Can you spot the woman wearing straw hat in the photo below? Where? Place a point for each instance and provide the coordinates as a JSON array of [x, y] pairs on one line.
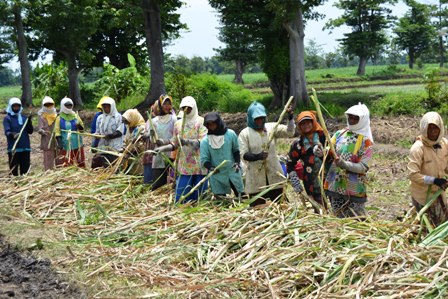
[[345, 182], [70, 146], [47, 117], [428, 167], [263, 167], [307, 151], [17, 130]]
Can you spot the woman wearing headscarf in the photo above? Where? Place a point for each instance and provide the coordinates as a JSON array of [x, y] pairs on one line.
[[71, 149], [221, 143], [345, 183], [99, 107], [111, 127], [187, 138], [19, 148], [262, 164], [156, 168], [307, 151], [136, 123], [428, 167], [47, 117]]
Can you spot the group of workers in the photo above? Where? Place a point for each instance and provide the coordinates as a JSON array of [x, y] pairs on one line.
[[190, 150]]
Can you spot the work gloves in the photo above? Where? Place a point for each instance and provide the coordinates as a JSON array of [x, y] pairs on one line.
[[295, 182], [13, 135], [190, 142], [440, 182], [165, 148], [251, 157], [318, 151], [114, 135]]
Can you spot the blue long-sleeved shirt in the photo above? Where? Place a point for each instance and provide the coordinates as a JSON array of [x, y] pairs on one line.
[[11, 125]]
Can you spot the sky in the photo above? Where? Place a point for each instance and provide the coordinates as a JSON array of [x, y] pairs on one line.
[[203, 23]]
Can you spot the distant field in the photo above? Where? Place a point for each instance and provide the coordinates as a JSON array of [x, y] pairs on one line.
[[7, 92]]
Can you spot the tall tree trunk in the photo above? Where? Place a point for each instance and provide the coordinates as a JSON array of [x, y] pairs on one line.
[[27, 97], [153, 30], [74, 92], [239, 71], [296, 32], [411, 59], [361, 66], [441, 51], [278, 88]]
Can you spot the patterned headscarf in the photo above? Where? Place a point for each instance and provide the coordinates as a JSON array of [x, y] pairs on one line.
[[134, 118]]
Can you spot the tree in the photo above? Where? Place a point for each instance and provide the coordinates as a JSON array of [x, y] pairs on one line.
[[314, 55], [65, 27], [153, 10], [12, 17], [441, 24], [121, 31], [414, 31], [368, 19], [236, 34]]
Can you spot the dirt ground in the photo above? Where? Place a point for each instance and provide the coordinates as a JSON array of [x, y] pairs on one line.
[[23, 276]]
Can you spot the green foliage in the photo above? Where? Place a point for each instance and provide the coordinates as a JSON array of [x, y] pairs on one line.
[[399, 104], [120, 84], [432, 83], [50, 80], [210, 92]]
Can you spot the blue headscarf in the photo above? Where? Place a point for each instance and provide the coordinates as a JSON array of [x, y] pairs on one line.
[[13, 101], [255, 110]]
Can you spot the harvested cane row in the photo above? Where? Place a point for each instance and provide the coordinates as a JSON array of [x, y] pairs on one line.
[[123, 240]]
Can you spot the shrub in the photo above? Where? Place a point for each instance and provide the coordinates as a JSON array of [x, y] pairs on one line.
[[120, 84], [210, 92], [398, 104], [50, 80]]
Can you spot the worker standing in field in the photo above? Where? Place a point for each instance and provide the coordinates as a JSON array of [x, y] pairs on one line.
[[187, 135], [221, 143], [345, 183], [93, 129], [262, 164], [305, 157], [428, 168], [110, 126], [19, 147], [161, 132], [70, 146], [47, 117]]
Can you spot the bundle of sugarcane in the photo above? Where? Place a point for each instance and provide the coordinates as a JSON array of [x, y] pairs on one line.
[[125, 241]]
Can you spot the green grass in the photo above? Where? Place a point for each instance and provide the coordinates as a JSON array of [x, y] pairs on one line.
[[7, 92]]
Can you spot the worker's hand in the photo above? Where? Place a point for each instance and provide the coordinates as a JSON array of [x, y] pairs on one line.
[[318, 151], [290, 112], [161, 142], [213, 169], [236, 167], [442, 183], [262, 156]]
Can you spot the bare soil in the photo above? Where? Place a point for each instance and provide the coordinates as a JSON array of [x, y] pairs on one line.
[[24, 276]]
